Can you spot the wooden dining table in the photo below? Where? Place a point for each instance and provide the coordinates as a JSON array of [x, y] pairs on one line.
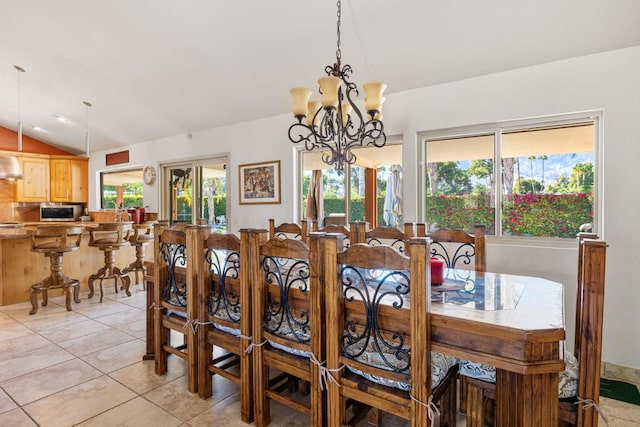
[[515, 323]]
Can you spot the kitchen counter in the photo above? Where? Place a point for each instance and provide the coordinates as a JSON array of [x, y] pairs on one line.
[[23, 230], [20, 268]]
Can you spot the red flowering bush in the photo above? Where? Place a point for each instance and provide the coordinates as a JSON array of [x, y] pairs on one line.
[[539, 215]]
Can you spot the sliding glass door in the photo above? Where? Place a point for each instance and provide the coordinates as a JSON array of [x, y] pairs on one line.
[[196, 192]]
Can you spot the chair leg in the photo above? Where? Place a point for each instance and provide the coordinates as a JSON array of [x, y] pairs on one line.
[[34, 299], [373, 417], [448, 405], [262, 413], [474, 405], [246, 387], [67, 297], [205, 358], [462, 407]]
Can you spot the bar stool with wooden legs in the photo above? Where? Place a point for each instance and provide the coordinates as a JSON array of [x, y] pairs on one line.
[[109, 237], [142, 235], [53, 241]]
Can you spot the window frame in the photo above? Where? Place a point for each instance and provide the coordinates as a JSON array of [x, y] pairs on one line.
[[298, 152], [195, 163], [497, 129], [128, 168]]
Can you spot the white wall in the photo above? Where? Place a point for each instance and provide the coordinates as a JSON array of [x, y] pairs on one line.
[[606, 81]]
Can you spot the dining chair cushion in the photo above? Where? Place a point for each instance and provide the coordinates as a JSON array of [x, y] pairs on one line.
[[232, 331], [440, 365], [567, 386], [297, 333], [177, 313]]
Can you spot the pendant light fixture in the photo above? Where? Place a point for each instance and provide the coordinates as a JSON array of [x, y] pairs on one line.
[[336, 124], [86, 134], [20, 71]]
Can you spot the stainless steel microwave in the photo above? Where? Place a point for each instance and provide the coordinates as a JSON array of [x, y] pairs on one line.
[[55, 212]]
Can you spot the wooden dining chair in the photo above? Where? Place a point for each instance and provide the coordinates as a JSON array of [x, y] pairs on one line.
[[350, 232], [224, 310], [384, 235], [174, 300], [457, 248], [379, 334], [579, 383], [290, 230], [288, 327]]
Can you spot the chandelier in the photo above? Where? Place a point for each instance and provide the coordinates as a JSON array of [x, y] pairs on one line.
[[335, 124]]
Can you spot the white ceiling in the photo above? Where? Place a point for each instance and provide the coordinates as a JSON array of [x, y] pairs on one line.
[[154, 69]]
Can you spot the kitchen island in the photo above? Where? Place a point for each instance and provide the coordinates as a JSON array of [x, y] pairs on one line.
[[20, 268]]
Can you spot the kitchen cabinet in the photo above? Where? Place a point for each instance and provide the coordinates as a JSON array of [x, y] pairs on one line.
[[34, 186], [69, 180]]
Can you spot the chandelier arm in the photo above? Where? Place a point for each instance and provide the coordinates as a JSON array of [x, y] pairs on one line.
[[300, 132], [373, 134]]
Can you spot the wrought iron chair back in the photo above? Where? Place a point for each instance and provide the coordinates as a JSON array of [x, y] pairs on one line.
[[288, 324], [348, 232], [384, 235], [174, 299], [378, 336], [289, 230], [225, 320], [458, 249]]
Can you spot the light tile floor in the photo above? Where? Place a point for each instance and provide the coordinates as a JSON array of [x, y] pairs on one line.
[[85, 367]]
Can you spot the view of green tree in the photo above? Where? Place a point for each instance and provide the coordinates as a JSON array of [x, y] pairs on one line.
[[527, 186], [452, 179], [482, 169], [581, 179]]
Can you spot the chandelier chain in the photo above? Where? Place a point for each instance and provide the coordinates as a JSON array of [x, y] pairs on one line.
[[339, 15]]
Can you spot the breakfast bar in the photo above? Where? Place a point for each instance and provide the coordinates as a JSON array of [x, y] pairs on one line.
[[21, 268]]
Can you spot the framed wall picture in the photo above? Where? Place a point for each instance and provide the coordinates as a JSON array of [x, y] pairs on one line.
[[259, 183]]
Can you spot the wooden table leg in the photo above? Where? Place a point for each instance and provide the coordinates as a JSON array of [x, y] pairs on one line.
[[526, 400]]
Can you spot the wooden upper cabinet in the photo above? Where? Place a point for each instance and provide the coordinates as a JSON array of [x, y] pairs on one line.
[[80, 180], [60, 180], [34, 187], [69, 180]]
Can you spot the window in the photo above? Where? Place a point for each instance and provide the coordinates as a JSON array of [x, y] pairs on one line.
[[196, 192], [544, 185], [373, 186], [121, 189]]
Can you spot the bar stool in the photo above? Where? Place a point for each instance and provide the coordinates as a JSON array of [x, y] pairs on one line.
[[53, 241], [141, 236], [109, 237]]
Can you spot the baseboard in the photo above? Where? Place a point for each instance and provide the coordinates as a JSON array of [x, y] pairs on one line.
[[620, 372]]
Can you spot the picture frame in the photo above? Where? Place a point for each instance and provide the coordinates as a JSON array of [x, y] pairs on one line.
[[259, 183]]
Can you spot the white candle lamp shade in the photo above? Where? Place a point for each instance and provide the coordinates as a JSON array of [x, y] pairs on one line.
[[373, 95], [329, 88], [313, 107], [346, 110], [300, 96]]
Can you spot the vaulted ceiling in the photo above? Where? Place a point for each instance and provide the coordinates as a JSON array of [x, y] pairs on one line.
[[154, 69]]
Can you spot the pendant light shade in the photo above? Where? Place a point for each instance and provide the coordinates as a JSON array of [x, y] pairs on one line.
[[20, 71], [86, 134]]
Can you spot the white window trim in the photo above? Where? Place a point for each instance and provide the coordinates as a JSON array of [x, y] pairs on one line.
[[594, 116]]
